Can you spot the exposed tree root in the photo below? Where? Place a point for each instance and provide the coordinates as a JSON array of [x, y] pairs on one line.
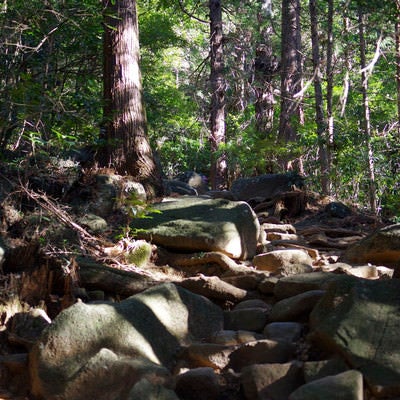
[[203, 258]]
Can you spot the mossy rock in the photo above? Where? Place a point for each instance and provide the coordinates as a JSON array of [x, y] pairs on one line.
[[193, 224], [140, 254]]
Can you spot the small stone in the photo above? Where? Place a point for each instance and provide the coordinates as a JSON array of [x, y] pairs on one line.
[[232, 338], [314, 370], [25, 328], [293, 285], [261, 352], [296, 307], [211, 355], [249, 319], [246, 281], [267, 285], [279, 259], [199, 384], [337, 210], [145, 390], [271, 381], [213, 287], [252, 303], [282, 228], [346, 386], [283, 236], [283, 331], [96, 295]]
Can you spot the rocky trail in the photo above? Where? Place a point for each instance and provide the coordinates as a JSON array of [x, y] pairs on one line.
[[265, 292]]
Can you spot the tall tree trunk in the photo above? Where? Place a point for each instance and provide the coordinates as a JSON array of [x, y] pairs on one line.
[[397, 34], [291, 73], [319, 103], [366, 110], [125, 130], [218, 172], [239, 71], [348, 67], [239, 99], [265, 67], [329, 95]]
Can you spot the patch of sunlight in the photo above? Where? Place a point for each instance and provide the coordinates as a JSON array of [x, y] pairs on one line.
[[234, 245], [170, 311], [145, 348]]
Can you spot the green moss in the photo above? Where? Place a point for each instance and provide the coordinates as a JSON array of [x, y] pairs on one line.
[[140, 254]]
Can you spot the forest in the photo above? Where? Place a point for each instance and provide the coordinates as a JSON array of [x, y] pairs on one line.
[[199, 200], [225, 88]]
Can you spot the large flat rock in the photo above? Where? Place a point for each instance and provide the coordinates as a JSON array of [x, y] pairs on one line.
[[202, 224]]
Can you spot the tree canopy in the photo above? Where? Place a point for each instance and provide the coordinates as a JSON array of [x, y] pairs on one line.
[[51, 88]]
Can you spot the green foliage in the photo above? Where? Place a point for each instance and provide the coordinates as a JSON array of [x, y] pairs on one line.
[[384, 11], [51, 88], [157, 32], [135, 208], [169, 54], [138, 208]]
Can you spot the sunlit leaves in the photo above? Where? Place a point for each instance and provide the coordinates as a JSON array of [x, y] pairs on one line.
[[51, 70]]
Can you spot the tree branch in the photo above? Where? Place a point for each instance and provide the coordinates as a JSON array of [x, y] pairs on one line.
[[374, 60], [190, 14]]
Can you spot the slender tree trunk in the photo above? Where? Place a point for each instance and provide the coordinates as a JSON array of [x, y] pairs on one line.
[[397, 35], [291, 73], [329, 95], [218, 172], [125, 130], [265, 68], [366, 110], [239, 71], [319, 103], [396, 168], [240, 100], [348, 67]]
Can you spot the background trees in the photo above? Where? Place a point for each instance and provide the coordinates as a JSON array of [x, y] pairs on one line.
[[51, 87], [50, 57], [291, 113]]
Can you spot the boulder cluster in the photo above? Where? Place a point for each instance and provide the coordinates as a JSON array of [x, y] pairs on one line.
[[303, 336], [232, 302]]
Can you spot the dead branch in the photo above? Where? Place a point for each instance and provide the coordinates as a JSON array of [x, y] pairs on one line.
[[43, 201]]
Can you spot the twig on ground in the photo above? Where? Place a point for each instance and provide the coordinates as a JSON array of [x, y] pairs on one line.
[[86, 238]]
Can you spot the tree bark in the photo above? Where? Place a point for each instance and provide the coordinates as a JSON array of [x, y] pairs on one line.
[[329, 95], [291, 73], [125, 127], [348, 67], [265, 68], [366, 110], [218, 171], [397, 36], [319, 102]]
